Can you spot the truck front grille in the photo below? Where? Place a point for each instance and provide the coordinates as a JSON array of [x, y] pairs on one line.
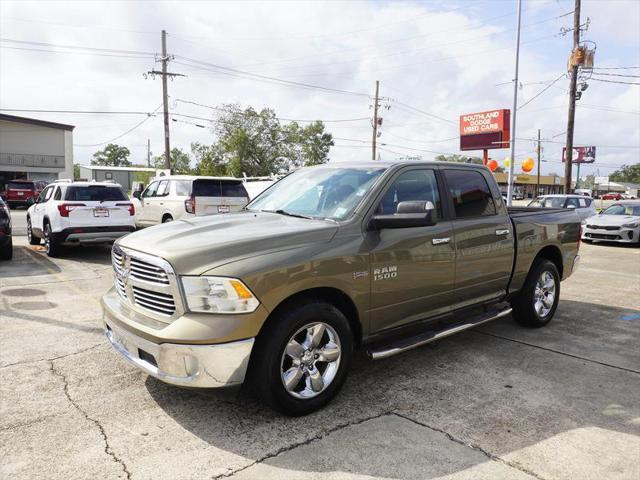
[[146, 283]]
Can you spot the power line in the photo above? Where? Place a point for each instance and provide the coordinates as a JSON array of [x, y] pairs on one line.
[[541, 92], [75, 47], [615, 74], [614, 81], [88, 112], [417, 110], [97, 54], [151, 115], [615, 68]]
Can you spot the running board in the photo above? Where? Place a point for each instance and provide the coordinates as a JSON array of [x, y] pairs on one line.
[[405, 344]]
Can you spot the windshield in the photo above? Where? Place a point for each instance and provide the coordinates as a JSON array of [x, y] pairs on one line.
[[548, 202], [94, 193], [331, 193], [622, 210]]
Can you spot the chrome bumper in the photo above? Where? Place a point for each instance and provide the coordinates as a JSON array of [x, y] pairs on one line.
[[198, 366]]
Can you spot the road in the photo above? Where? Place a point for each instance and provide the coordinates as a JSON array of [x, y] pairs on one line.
[[499, 402]]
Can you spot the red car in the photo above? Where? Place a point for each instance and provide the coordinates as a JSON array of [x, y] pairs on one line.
[[19, 192], [611, 196]]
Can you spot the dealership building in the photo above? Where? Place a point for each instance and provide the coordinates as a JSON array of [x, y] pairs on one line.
[[526, 184], [34, 149]]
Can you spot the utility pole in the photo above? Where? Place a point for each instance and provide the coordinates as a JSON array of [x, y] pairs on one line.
[[148, 153], [375, 121], [539, 157], [572, 100], [165, 97], [513, 112]]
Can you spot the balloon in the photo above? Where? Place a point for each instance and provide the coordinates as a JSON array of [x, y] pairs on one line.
[[493, 165], [507, 162], [528, 165]]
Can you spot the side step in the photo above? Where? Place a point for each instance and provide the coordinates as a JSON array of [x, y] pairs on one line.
[[410, 343]]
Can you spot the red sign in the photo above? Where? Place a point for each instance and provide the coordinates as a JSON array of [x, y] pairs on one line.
[[581, 154], [485, 130]]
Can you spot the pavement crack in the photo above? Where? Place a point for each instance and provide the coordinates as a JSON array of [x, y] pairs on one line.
[[54, 358], [107, 447], [556, 351], [295, 445], [472, 446]]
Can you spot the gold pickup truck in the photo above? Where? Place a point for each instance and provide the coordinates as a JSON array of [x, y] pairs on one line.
[[377, 256]]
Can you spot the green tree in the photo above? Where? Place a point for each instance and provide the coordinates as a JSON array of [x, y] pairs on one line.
[[76, 171], [458, 159], [209, 160], [306, 146], [112, 156], [180, 162], [627, 173]]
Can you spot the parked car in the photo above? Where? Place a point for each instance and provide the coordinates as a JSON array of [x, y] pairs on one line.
[[20, 192], [380, 256], [6, 242], [68, 213], [618, 223], [181, 196], [584, 206], [611, 196]]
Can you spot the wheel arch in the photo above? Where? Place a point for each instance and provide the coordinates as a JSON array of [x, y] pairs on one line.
[[551, 253]]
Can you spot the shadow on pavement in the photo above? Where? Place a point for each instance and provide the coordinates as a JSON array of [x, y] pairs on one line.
[[500, 390], [27, 263]]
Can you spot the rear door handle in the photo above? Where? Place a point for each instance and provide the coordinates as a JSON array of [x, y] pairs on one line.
[[503, 231], [440, 241]]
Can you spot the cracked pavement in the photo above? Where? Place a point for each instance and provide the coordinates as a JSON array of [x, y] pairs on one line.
[[500, 402]]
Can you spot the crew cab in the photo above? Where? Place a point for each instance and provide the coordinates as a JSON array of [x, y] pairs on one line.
[[68, 213], [379, 256], [184, 196]]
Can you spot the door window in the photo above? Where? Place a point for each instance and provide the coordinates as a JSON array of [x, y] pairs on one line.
[[183, 188], [163, 189], [414, 185], [470, 193], [45, 195], [151, 190], [572, 202], [58, 194]]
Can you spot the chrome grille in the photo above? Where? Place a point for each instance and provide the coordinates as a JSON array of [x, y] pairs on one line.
[[146, 283]]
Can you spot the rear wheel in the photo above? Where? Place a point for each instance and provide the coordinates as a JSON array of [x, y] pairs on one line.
[[167, 218], [301, 361], [6, 252], [536, 303], [50, 245], [33, 240]]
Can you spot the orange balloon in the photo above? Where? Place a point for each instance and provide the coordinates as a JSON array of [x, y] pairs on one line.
[[528, 164], [493, 165]]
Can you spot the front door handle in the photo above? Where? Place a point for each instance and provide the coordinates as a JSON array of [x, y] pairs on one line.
[[440, 241], [503, 231]]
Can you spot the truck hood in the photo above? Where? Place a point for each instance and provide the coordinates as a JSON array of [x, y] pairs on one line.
[[196, 245], [612, 220]]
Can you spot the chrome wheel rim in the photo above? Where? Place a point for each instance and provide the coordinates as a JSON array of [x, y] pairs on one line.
[[545, 294], [29, 230], [310, 360], [47, 238]]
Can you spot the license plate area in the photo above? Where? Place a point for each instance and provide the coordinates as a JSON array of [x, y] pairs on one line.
[[100, 212], [224, 209]]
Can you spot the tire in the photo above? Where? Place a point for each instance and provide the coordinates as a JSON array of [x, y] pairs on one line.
[[51, 246], [281, 348], [6, 253], [33, 240], [167, 218], [536, 303]]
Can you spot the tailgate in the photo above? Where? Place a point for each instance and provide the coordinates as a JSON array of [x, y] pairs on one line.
[[216, 205], [100, 215]]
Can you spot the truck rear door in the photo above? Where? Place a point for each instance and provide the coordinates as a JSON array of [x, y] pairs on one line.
[[483, 236], [214, 196]]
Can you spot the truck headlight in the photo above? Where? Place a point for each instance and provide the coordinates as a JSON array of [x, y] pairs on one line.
[[218, 295], [631, 225]]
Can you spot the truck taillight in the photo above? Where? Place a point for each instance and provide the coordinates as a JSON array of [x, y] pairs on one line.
[[65, 208], [130, 206], [190, 205]]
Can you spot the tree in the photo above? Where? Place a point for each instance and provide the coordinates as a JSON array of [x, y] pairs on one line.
[[76, 171], [180, 162], [459, 159], [307, 145], [209, 160], [112, 156], [627, 173]]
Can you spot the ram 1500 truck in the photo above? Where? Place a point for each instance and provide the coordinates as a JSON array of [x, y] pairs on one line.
[[379, 256]]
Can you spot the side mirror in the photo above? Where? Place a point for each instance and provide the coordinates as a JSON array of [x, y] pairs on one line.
[[571, 206], [31, 201], [409, 214], [137, 194]]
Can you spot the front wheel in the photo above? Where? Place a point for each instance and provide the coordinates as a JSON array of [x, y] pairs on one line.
[[33, 240], [50, 245], [536, 303], [301, 361]]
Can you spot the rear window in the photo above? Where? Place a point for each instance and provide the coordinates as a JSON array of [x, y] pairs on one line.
[[21, 186], [219, 188], [94, 193], [470, 193]]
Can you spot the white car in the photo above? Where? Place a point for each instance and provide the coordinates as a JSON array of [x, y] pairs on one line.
[[183, 196], [584, 206], [78, 213], [618, 223]]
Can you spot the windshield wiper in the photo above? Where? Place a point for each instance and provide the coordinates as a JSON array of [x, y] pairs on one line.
[[288, 214]]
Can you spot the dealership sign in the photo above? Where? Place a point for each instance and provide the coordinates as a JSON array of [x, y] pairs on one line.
[[485, 130], [581, 154]]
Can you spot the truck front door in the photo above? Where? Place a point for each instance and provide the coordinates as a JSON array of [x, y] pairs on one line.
[[411, 269], [483, 234]]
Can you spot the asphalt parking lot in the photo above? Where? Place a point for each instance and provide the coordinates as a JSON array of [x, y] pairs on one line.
[[499, 402]]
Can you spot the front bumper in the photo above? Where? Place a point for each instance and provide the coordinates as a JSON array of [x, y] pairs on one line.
[[197, 366], [621, 235]]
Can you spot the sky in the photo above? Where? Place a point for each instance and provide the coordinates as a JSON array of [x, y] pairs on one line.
[[435, 60]]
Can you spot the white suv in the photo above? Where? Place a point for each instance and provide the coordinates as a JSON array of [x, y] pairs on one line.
[[79, 212], [182, 196]]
